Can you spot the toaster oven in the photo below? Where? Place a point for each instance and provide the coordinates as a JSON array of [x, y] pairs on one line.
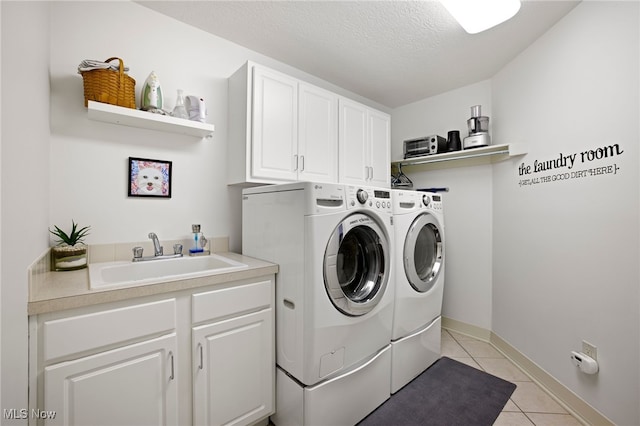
[[424, 146]]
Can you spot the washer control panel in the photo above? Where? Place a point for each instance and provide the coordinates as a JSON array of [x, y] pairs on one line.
[[371, 198]]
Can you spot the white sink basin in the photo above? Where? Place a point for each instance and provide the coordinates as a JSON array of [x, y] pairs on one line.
[[127, 274]]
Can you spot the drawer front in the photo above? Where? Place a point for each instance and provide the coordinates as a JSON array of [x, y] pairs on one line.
[[218, 304], [81, 333]]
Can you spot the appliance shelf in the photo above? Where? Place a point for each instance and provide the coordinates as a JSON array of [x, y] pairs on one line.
[[487, 154], [135, 118]]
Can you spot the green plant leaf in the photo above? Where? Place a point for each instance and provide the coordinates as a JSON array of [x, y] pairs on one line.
[[74, 237]]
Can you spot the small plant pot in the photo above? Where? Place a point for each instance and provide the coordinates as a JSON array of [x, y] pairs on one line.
[[68, 258]]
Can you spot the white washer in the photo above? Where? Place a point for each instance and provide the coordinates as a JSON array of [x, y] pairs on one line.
[[419, 281], [334, 304]]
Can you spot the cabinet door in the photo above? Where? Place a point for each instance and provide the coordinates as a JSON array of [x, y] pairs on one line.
[[353, 142], [275, 125], [380, 148], [318, 135], [135, 384], [234, 369]]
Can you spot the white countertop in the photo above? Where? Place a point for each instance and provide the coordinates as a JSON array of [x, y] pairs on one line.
[[58, 291]]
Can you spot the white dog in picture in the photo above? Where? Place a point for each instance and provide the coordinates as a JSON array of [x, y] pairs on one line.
[[149, 181]]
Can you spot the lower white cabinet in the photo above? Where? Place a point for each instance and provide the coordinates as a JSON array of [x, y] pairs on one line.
[[232, 384], [204, 357], [131, 385]]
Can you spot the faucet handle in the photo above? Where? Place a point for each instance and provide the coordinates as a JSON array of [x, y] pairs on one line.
[[177, 249], [137, 252]]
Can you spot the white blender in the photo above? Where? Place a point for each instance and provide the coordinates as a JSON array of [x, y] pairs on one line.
[[478, 129]]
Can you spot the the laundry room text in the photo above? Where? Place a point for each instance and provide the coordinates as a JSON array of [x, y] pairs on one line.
[[570, 163]]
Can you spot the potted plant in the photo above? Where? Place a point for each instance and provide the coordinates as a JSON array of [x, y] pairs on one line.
[[71, 252]]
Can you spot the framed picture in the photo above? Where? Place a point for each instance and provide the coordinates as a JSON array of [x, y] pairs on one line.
[[149, 178]]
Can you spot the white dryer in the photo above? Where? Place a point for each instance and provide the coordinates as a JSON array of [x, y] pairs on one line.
[[334, 305], [419, 281]]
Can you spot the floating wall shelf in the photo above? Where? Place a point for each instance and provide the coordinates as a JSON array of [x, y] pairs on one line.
[[146, 120], [487, 154]]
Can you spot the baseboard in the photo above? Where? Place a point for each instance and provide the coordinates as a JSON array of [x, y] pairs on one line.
[[465, 328], [563, 395]]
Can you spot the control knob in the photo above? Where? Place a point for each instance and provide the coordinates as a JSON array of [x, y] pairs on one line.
[[362, 196], [426, 200]]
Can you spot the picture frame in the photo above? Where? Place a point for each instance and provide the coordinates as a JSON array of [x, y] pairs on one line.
[[149, 178]]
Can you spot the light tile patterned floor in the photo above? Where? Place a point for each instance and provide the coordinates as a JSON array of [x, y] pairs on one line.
[[529, 405]]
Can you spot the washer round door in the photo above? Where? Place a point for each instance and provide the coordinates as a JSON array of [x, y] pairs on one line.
[[423, 252], [356, 265]]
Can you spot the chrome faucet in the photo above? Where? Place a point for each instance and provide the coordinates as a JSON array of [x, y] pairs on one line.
[[157, 248], [157, 251]]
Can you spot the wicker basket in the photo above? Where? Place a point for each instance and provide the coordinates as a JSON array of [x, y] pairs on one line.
[[109, 87]]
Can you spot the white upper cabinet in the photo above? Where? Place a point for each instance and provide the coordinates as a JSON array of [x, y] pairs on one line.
[[280, 129], [353, 142], [275, 125], [380, 148], [317, 135], [364, 144]]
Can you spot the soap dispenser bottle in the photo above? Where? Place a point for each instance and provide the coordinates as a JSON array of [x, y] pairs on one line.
[[197, 243]]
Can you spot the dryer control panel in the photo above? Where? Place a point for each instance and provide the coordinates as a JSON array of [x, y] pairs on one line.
[[432, 201], [370, 198]]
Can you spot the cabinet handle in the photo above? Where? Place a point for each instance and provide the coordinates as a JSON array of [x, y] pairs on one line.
[[172, 376], [201, 365], [295, 162], [302, 161], [371, 176]]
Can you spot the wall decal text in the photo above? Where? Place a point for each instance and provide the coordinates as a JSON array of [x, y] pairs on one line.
[[570, 162]]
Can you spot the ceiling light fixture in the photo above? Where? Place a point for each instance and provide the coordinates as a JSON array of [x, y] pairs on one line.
[[479, 15]]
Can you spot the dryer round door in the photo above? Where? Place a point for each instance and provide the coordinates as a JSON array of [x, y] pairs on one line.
[[356, 265], [423, 252]]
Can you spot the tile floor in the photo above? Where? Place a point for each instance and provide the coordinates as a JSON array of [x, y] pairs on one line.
[[529, 404]]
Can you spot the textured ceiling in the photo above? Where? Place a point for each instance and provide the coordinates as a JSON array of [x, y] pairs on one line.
[[392, 52]]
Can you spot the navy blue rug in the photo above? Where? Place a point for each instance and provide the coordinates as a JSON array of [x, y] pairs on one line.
[[449, 393]]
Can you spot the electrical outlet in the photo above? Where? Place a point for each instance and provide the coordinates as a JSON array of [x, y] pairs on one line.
[[589, 350]]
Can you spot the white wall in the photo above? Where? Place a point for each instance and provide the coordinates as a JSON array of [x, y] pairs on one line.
[[572, 76], [89, 159], [566, 252], [57, 165], [564, 262], [467, 205], [24, 177], [1, 322], [93, 190]]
